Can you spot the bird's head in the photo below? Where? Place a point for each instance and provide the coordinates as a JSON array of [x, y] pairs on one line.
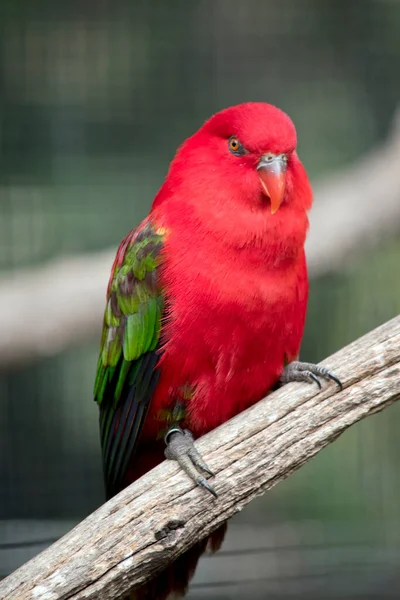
[[242, 166]]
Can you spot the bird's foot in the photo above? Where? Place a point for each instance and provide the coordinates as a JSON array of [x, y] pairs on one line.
[[302, 371], [180, 447]]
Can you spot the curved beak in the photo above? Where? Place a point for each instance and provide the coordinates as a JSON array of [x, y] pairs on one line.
[[272, 172]]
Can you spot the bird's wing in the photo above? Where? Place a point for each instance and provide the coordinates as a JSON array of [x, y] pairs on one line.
[[126, 372]]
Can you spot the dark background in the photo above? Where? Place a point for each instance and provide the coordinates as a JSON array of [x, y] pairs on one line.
[[94, 99]]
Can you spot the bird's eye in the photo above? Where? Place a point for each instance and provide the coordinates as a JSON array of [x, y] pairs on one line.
[[235, 146]]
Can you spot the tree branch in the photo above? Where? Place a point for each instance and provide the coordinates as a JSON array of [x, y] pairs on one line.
[[47, 309], [137, 533]]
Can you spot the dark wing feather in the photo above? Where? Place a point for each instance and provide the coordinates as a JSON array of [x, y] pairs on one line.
[[127, 372]]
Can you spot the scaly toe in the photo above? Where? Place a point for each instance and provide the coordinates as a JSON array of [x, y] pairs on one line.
[[302, 371], [181, 448]]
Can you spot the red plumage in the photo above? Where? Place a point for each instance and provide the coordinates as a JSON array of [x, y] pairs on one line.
[[235, 275]]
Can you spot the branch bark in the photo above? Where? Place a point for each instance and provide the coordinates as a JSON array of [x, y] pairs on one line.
[[137, 533], [46, 310]]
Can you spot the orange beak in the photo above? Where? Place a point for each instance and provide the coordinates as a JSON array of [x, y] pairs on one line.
[[272, 172]]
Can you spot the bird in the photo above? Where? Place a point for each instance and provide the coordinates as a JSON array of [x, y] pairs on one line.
[[206, 302]]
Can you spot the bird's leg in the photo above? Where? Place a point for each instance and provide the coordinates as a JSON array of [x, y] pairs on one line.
[[302, 371], [180, 447]]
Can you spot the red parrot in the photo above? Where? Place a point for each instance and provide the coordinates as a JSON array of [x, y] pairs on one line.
[[207, 297]]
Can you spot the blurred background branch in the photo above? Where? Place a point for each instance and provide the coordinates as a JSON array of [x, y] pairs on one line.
[[45, 310], [357, 207], [137, 533]]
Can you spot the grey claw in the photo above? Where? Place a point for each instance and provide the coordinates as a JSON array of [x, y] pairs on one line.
[[198, 460], [301, 371], [335, 379], [180, 447], [323, 372], [317, 381], [204, 483], [207, 470]]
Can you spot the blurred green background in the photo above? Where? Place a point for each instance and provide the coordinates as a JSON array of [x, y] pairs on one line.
[[94, 99]]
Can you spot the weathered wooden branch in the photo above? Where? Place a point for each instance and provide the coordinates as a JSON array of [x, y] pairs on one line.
[[132, 537], [45, 310]]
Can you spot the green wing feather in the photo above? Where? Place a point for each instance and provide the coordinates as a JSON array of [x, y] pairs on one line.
[[127, 368]]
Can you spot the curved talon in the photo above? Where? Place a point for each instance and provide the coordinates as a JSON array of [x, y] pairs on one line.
[[315, 378], [204, 483], [335, 379], [181, 448], [197, 460], [324, 372], [302, 371]]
